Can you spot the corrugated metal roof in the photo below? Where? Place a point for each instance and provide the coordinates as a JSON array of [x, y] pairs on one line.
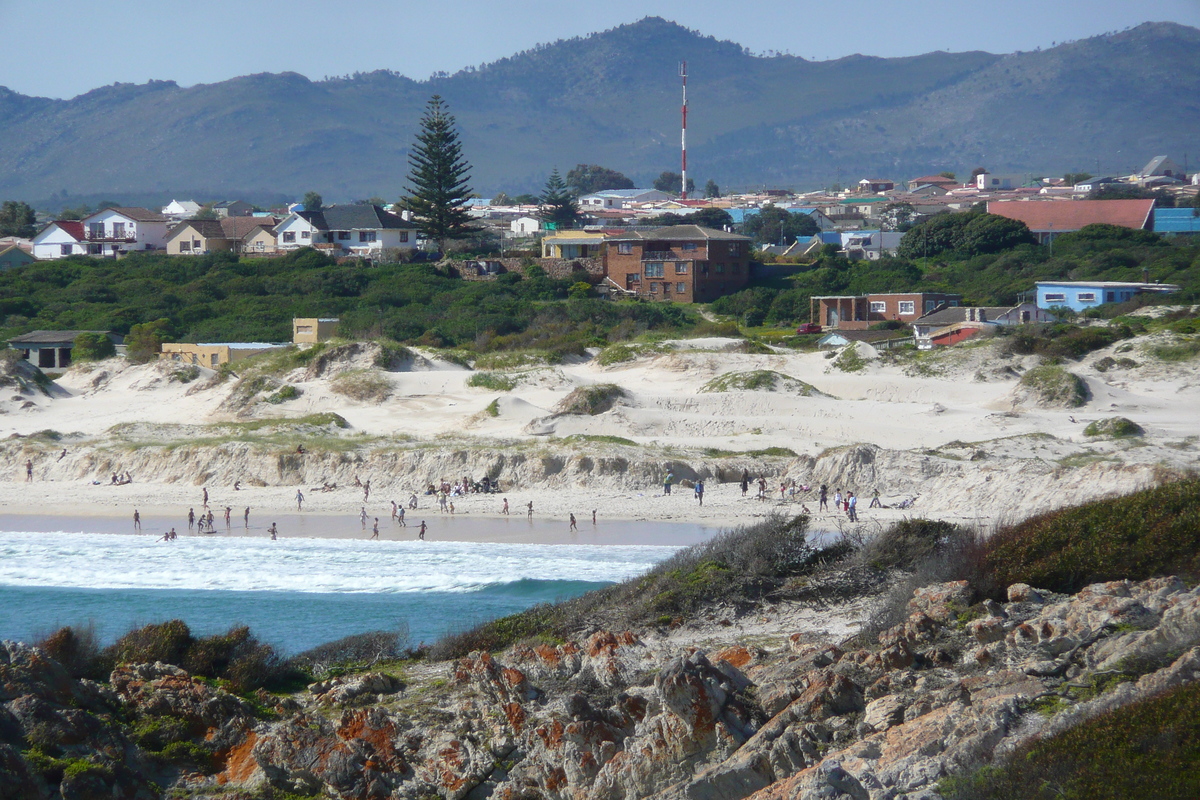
[[1176, 220]]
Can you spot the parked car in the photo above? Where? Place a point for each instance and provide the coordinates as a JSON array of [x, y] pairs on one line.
[[809, 327]]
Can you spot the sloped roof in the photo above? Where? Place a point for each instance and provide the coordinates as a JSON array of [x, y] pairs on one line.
[[138, 214], [952, 314], [71, 227], [208, 228], [241, 227], [1044, 216], [49, 337], [935, 179], [683, 233], [354, 217], [11, 248]]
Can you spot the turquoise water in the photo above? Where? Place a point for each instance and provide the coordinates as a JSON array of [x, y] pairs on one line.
[[300, 592]]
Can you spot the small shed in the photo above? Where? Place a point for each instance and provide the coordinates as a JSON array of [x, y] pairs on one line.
[[52, 349], [14, 256]]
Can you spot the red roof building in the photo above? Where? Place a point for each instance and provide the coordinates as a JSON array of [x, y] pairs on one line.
[[1048, 218]]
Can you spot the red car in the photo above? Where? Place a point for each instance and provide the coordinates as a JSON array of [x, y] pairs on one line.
[[809, 327]]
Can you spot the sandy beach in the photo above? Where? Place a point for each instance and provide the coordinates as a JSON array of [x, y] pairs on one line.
[[952, 432]]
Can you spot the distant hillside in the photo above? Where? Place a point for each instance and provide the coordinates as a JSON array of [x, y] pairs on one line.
[[613, 98]]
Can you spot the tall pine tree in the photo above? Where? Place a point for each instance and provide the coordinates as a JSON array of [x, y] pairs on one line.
[[557, 206], [438, 178]]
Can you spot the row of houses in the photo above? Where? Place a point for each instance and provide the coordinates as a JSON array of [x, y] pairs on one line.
[[342, 230]]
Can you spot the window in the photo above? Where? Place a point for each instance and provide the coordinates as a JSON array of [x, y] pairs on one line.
[[214, 360], [96, 230], [1109, 297], [305, 234], [688, 247], [654, 269], [719, 269], [735, 248], [185, 247], [681, 287], [654, 288], [289, 236], [118, 230], [878, 307], [343, 236], [625, 248], [65, 249], [907, 306], [1086, 297], [403, 236], [681, 268], [1055, 297], [666, 288], [366, 236], [736, 268]]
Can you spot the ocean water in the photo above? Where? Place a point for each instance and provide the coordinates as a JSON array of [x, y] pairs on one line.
[[298, 592]]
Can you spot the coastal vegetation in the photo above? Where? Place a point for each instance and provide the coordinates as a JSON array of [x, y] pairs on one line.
[[762, 380]]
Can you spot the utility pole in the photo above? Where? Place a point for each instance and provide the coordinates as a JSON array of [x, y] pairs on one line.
[[683, 140]]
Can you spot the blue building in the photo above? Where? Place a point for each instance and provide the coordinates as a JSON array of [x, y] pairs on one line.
[[1176, 220], [1082, 295]]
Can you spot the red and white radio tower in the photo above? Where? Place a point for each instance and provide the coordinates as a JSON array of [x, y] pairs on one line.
[[683, 74]]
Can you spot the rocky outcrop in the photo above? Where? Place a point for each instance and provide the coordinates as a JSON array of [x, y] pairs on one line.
[[616, 716]]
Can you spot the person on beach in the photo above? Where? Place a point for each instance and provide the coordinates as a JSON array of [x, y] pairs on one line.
[[246, 516], [237, 486], [700, 492], [412, 502], [137, 520], [300, 450], [530, 507], [394, 507], [852, 508], [205, 503], [824, 506], [593, 516], [273, 531], [375, 530], [63, 454], [846, 501], [228, 511], [837, 500], [28, 470], [400, 517], [667, 481], [745, 481], [442, 498], [299, 500], [191, 518], [452, 508], [209, 517], [574, 525], [362, 517], [421, 535], [875, 500], [504, 510], [367, 490], [762, 488]]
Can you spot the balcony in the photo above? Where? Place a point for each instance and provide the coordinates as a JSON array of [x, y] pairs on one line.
[[661, 255], [98, 236]]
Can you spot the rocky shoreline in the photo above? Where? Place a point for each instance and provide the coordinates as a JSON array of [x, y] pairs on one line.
[[622, 715]]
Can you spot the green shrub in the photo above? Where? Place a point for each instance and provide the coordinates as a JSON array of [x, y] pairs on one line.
[[1150, 748], [1174, 353], [761, 380], [591, 400], [92, 347], [363, 385], [849, 360], [1052, 386], [1114, 427], [496, 381], [284, 394], [1108, 362], [391, 354], [1139, 536], [493, 408], [184, 374]]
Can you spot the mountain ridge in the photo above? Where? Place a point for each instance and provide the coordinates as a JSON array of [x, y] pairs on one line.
[[613, 98]]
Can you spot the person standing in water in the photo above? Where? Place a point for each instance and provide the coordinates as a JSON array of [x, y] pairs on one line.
[[400, 517], [191, 518], [362, 517], [593, 516], [394, 507], [137, 520], [228, 511], [375, 530], [421, 535], [273, 531], [246, 517], [530, 507], [574, 526]]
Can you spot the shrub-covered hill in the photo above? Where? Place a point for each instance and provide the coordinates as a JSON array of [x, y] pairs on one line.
[[222, 298]]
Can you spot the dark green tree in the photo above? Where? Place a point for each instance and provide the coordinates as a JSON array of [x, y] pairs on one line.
[[206, 212], [775, 225], [711, 189], [715, 218], [525, 199], [92, 347], [438, 178], [313, 201], [672, 182], [145, 340], [589, 178], [556, 205], [967, 233], [1076, 177], [500, 199], [17, 219]]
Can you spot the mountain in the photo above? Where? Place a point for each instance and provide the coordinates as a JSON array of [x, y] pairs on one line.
[[612, 98]]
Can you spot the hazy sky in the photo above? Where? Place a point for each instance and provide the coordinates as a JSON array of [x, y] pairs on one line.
[[60, 48]]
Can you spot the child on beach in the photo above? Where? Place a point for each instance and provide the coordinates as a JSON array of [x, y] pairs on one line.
[[504, 510], [299, 500], [137, 520], [400, 517], [574, 526], [246, 516], [375, 530], [421, 535]]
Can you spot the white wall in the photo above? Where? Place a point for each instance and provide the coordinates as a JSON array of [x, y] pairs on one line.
[[48, 244]]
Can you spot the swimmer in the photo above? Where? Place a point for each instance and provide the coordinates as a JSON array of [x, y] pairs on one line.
[[273, 531], [593, 516]]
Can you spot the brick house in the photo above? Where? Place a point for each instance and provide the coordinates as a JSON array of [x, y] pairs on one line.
[[858, 312], [681, 263]]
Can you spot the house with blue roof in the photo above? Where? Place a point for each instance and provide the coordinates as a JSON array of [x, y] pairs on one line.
[[1177, 220], [1082, 295]]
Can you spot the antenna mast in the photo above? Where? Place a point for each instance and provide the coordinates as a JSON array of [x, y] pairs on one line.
[[683, 141]]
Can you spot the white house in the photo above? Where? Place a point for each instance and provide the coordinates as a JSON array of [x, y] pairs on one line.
[[181, 209], [525, 226], [620, 198], [116, 231], [995, 181], [59, 239], [361, 230]]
